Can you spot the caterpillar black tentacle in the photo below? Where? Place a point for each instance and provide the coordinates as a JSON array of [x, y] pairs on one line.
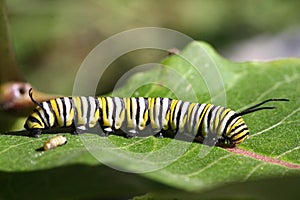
[[256, 106], [141, 116]]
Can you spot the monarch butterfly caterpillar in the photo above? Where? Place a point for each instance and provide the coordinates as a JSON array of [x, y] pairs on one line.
[[55, 142], [136, 116]]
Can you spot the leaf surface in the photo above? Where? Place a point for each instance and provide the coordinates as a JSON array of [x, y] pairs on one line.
[[183, 164]]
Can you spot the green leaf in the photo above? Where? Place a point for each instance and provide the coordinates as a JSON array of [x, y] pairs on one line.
[[176, 163]]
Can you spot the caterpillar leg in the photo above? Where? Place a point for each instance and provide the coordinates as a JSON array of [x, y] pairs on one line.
[[210, 140], [131, 134], [36, 132], [159, 135], [76, 130], [108, 131]]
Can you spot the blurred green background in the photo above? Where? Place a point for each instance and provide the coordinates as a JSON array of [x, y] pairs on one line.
[[52, 37]]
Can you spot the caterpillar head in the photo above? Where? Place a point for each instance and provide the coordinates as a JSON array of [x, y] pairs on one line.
[[226, 128], [236, 130]]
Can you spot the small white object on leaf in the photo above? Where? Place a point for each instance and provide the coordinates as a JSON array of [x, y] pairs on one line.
[[55, 142]]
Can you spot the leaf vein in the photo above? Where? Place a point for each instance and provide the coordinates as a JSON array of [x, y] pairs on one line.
[[277, 124]]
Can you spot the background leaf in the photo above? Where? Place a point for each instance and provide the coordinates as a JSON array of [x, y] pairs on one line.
[[273, 133]]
